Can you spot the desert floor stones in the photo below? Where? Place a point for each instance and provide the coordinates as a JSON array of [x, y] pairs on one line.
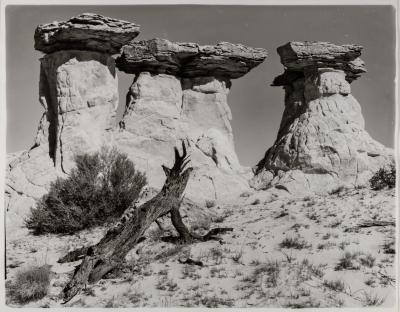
[[179, 92], [78, 90], [321, 142]]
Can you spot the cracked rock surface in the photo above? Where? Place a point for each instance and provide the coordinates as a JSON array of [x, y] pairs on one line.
[[322, 142]]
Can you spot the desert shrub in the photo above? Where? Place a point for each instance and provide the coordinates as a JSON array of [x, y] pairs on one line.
[[384, 177], [30, 284], [294, 242], [347, 262], [335, 285], [368, 261], [98, 190], [371, 299]]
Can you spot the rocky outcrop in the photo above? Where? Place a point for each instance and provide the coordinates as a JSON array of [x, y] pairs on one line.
[[88, 32], [321, 142], [78, 90], [160, 56], [179, 92]]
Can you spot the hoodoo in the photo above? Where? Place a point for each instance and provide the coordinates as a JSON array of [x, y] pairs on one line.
[[321, 143], [78, 90], [180, 91]]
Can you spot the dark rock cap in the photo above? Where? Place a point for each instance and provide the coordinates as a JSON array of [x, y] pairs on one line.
[[87, 31], [189, 59], [302, 56]]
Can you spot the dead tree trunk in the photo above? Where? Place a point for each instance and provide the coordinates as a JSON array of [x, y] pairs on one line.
[[101, 258]]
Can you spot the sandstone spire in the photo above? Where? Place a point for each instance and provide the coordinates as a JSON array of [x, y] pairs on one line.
[[321, 141], [180, 92]]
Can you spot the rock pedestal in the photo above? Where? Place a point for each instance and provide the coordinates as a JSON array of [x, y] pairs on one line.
[[179, 92], [321, 143], [79, 92]]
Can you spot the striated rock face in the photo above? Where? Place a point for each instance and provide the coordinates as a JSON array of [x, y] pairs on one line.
[[321, 142], [88, 31], [160, 56], [78, 90], [180, 92]]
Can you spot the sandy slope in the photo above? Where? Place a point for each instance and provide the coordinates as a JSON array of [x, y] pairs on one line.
[[250, 267]]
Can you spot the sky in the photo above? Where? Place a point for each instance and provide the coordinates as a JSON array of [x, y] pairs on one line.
[[256, 106]]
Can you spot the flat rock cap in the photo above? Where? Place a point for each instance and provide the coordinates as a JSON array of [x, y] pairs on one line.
[[157, 56], [87, 31], [301, 56]]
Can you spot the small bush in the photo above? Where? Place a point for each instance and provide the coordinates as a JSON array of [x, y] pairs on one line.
[[384, 177], [294, 243], [371, 299], [336, 285], [368, 261], [30, 284], [347, 262], [98, 190]]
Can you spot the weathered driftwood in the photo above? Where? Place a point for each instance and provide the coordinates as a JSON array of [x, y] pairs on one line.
[[110, 252]]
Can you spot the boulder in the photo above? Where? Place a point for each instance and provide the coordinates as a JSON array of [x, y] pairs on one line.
[[321, 142], [87, 31]]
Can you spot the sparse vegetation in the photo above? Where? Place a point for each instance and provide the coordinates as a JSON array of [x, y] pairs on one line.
[[306, 270], [294, 243], [384, 177], [370, 299], [215, 302], [269, 272], [367, 260], [347, 262], [30, 284], [389, 247], [98, 190], [335, 285]]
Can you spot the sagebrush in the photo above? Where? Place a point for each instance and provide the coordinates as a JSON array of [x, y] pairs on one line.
[[384, 177], [97, 190]]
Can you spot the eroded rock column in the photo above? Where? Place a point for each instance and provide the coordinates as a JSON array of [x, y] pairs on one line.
[[180, 92], [321, 143], [78, 90]]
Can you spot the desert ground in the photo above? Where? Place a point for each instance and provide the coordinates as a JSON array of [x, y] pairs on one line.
[[335, 250]]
